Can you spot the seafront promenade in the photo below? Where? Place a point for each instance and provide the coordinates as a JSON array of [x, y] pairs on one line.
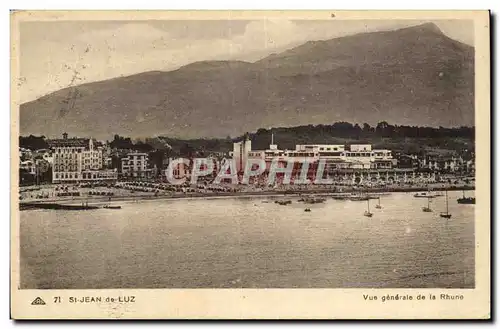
[[99, 195]]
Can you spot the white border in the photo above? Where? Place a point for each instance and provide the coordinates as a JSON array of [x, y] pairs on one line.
[[190, 4]]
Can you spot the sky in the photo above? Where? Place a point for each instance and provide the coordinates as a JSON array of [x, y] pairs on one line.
[[57, 54]]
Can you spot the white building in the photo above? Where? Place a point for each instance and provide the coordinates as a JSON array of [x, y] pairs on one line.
[[336, 156], [240, 153], [135, 165], [453, 164], [46, 154], [28, 166]]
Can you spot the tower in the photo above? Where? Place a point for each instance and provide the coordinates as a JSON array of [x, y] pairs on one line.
[[273, 146]]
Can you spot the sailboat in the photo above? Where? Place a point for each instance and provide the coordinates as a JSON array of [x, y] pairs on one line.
[[368, 213], [428, 208], [446, 214], [466, 200], [378, 206]]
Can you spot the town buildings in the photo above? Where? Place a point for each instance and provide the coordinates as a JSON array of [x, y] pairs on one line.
[[73, 160], [447, 163]]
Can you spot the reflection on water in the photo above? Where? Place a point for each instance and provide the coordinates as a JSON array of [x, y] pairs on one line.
[[235, 243]]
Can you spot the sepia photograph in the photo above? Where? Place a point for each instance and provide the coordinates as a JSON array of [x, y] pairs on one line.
[[245, 152]]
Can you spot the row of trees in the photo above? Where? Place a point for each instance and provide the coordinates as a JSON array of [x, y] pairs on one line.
[[383, 134], [382, 129]]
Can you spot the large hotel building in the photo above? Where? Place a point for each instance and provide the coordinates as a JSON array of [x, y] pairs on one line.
[[336, 156], [77, 160]]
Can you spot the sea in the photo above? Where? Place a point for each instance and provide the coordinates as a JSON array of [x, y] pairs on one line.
[[251, 243]]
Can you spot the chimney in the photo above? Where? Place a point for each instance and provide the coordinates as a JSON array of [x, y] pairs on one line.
[[65, 135]]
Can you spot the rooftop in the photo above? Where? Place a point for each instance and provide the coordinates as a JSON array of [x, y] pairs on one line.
[[69, 142], [72, 142]]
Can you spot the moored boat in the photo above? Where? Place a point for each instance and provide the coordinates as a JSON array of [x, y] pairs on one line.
[[466, 200], [424, 195], [367, 212], [428, 208], [112, 207], [358, 198], [446, 214], [55, 206], [314, 200]]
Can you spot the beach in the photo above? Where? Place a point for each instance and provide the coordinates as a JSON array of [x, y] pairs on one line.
[[243, 192]]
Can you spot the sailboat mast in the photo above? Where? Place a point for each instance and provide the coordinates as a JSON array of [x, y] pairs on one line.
[[446, 201]]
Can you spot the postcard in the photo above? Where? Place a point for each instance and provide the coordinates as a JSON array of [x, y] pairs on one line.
[[250, 165]]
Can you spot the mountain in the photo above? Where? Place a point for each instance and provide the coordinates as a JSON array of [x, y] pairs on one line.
[[411, 76]]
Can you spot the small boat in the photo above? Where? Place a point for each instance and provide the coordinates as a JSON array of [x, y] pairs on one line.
[[112, 207], [378, 206], [307, 210], [313, 200], [367, 212], [373, 196], [466, 200], [283, 202], [428, 208], [423, 195], [446, 214], [340, 196], [358, 198]]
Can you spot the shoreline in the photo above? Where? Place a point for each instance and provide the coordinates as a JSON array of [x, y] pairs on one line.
[[92, 200]]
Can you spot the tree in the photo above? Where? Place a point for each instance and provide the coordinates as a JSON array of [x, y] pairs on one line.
[[186, 150], [156, 158], [33, 142], [357, 131]]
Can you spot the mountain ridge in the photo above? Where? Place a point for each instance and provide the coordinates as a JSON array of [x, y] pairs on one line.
[[415, 75]]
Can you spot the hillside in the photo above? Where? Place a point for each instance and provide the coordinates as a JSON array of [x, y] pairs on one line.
[[413, 76]]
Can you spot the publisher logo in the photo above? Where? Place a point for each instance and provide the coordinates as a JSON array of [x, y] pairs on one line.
[[38, 301]]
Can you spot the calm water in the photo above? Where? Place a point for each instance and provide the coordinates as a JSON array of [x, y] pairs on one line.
[[234, 243]]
